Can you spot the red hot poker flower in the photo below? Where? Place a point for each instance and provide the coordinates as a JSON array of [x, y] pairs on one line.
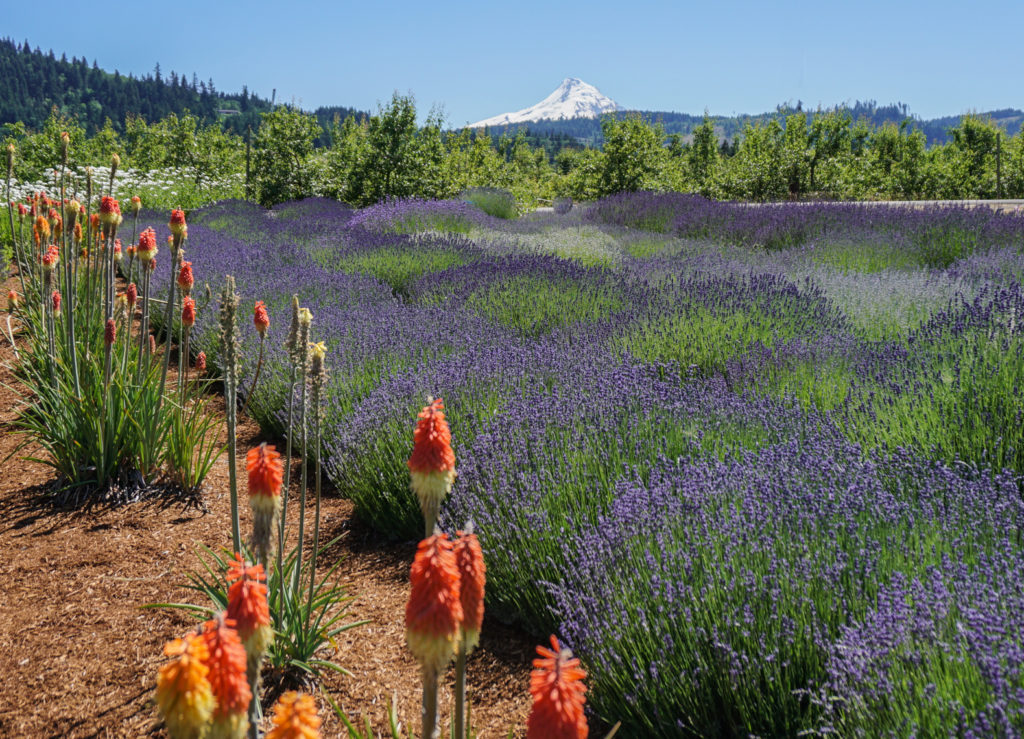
[[147, 245], [110, 211], [110, 332], [432, 464], [266, 471], [434, 611], [188, 313], [185, 278], [557, 689], [295, 717], [132, 294], [179, 229], [247, 605], [226, 663], [51, 257], [201, 362], [183, 692], [469, 558], [260, 318], [55, 298]]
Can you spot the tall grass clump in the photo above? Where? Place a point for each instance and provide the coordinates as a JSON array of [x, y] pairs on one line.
[[493, 201]]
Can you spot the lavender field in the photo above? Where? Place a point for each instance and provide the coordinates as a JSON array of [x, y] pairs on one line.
[[760, 467]]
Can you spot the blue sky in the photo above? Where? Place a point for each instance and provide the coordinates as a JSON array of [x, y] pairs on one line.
[[478, 59]]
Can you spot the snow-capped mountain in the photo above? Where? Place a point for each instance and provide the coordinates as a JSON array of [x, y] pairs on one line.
[[574, 98]]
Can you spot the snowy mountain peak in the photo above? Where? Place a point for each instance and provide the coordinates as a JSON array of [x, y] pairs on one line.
[[574, 98]]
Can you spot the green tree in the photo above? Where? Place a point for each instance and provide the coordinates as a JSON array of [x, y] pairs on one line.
[[703, 157], [633, 154], [281, 155]]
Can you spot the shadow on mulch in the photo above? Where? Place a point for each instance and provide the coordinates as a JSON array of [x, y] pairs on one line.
[[49, 502]]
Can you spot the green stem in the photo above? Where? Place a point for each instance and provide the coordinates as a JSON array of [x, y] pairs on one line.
[[169, 328], [256, 377], [460, 692], [305, 474], [284, 492], [316, 518], [431, 728]]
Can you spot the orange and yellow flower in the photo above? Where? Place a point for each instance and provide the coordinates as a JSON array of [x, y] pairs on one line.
[[247, 605], [147, 246], [185, 278], [434, 611], [227, 676], [183, 692], [469, 558], [556, 685], [179, 229], [295, 717], [432, 464]]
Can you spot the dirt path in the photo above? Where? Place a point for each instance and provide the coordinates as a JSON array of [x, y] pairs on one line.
[[78, 657]]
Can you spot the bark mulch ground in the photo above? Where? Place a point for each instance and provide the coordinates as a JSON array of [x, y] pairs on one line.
[[79, 657]]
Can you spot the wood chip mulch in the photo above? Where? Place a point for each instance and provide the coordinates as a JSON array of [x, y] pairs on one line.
[[79, 657]]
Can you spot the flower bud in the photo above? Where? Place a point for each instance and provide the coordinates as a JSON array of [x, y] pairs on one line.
[[185, 278], [115, 162], [179, 229], [132, 294], [188, 313], [12, 301], [110, 332], [10, 160], [55, 298], [260, 319], [136, 204], [201, 362]]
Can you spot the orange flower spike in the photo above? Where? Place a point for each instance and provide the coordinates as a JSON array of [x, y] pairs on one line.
[[260, 318], [432, 464], [434, 611], [146, 249], [179, 229], [228, 681], [132, 293], [41, 229], [295, 717], [188, 313], [12, 301], [94, 221], [201, 362], [266, 473], [469, 558], [558, 696], [55, 298], [185, 278], [247, 605], [183, 692]]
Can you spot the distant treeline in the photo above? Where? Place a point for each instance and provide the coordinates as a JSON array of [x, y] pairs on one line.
[[588, 131], [33, 83]]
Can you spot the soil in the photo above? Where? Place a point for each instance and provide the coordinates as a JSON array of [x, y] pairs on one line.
[[79, 656]]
